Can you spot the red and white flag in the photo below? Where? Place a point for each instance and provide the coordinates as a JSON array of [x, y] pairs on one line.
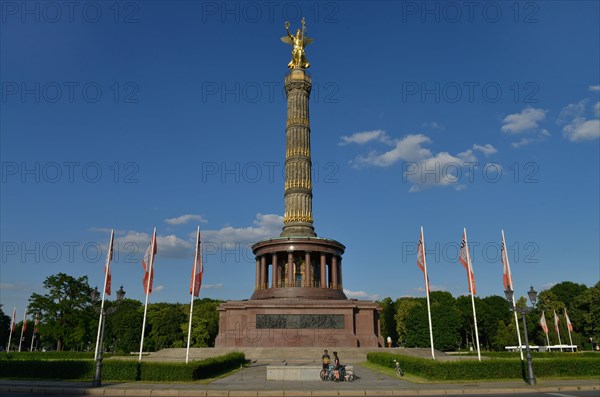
[[463, 257], [147, 264], [507, 276], [109, 258], [556, 321], [14, 319], [421, 260], [568, 321], [198, 269], [543, 323], [25, 323], [36, 324]]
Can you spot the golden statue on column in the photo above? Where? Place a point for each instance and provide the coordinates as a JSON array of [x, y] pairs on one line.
[[298, 42]]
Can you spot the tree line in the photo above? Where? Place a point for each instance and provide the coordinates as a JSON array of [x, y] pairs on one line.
[[68, 320], [405, 319]]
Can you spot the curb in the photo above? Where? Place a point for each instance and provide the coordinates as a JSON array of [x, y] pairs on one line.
[[286, 393]]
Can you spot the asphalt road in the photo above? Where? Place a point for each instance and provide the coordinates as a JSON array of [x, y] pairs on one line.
[[526, 394]]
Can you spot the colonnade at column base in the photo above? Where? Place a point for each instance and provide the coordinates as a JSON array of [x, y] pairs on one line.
[[301, 267]]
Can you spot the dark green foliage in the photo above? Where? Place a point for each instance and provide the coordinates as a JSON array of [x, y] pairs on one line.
[[4, 328], [122, 370], [42, 369], [122, 333], [47, 355], [388, 324], [172, 372], [65, 312], [586, 365]]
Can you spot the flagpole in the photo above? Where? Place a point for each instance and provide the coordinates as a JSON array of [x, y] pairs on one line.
[[33, 333], [545, 329], [472, 297], [192, 290], [147, 292], [23, 329], [547, 337], [569, 328], [427, 291], [513, 297], [101, 317], [557, 330], [12, 326]]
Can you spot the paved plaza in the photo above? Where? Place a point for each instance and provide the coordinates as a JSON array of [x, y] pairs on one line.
[[252, 381]]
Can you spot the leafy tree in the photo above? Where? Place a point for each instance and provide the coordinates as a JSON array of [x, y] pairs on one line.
[[567, 291], [64, 310], [446, 320], [403, 308], [388, 323], [123, 327], [417, 328], [506, 335], [492, 309], [205, 323], [163, 324], [464, 305], [4, 328]]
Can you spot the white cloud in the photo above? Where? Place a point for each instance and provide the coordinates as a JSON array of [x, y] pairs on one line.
[[433, 125], [158, 288], [408, 148], [577, 128], [422, 168], [183, 219], [522, 142], [548, 285], [525, 121], [571, 111], [582, 130], [13, 287], [264, 226], [433, 288], [360, 295], [361, 138], [173, 247], [443, 169], [169, 246], [212, 286], [486, 149], [594, 88]]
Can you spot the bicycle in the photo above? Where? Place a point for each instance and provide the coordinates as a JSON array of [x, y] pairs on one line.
[[327, 374], [399, 371], [344, 374]]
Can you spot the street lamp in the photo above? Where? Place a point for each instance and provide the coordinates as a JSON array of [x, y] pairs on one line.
[[95, 295], [524, 310]]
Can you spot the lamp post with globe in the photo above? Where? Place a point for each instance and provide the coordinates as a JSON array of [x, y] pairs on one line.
[[95, 295], [524, 310]]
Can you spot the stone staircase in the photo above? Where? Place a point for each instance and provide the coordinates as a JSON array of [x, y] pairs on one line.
[[291, 355]]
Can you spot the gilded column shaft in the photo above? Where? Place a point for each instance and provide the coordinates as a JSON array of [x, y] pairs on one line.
[[298, 217]]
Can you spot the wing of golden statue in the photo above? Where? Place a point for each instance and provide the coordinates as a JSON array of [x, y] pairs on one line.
[[287, 40], [308, 41]]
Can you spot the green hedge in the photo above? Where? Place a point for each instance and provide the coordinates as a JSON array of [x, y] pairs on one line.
[[489, 369], [121, 370], [48, 355]]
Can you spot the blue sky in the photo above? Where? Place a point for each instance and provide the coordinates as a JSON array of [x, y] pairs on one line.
[[172, 114]]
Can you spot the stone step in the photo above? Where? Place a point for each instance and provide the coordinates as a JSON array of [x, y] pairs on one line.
[[296, 355]]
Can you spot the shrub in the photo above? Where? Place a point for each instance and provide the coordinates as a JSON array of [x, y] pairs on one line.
[[489, 369], [123, 370], [44, 369]]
